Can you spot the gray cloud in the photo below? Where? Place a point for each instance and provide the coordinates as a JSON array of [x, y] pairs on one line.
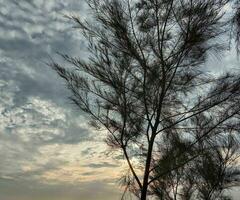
[[38, 125], [101, 165], [30, 191]]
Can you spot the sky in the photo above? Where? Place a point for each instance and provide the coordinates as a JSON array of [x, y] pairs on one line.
[[47, 150]]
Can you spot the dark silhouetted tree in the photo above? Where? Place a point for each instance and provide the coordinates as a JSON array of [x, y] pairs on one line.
[[145, 82], [209, 171]]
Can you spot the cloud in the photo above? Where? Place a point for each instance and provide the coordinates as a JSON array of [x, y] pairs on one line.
[[44, 141], [29, 191], [101, 165]]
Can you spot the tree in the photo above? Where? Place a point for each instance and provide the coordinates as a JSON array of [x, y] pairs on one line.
[[145, 83], [206, 177]]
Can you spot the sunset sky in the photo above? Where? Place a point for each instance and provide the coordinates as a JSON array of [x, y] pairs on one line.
[[47, 150]]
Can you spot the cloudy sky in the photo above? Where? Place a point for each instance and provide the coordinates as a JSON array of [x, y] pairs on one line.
[[47, 151]]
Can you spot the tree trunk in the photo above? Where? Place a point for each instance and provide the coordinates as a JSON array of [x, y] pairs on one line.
[[146, 173]]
